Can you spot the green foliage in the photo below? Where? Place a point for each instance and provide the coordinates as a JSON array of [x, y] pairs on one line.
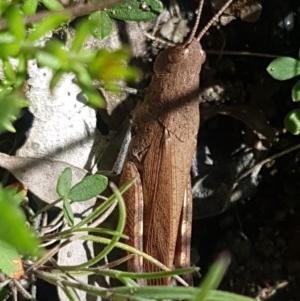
[[52, 5], [102, 24], [214, 277], [21, 42], [137, 293], [110, 240], [48, 24], [136, 10], [10, 105], [132, 10], [107, 66], [7, 259], [64, 183], [150, 293], [90, 187], [15, 237], [292, 121], [68, 213], [285, 68], [29, 7]]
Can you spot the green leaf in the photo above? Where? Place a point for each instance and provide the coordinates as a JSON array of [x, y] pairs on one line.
[[15, 22], [70, 293], [21, 71], [296, 91], [3, 6], [101, 24], [82, 75], [68, 213], [93, 98], [292, 122], [136, 10], [90, 187], [59, 51], [49, 23], [7, 259], [53, 5], [283, 68], [214, 276], [81, 34], [15, 195], [10, 106], [47, 59], [109, 66], [174, 293], [13, 229], [29, 7], [9, 71], [56, 77], [7, 38], [10, 50], [56, 56], [64, 182]]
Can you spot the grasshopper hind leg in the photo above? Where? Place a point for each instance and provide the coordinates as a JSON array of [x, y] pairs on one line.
[[133, 198], [183, 243]]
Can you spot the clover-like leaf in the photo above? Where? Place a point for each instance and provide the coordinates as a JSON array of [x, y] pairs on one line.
[[90, 187], [64, 182]]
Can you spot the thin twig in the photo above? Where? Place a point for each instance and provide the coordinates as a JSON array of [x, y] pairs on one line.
[[256, 168], [242, 53]]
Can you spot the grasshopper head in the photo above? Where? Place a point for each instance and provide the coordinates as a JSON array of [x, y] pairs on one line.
[[181, 58]]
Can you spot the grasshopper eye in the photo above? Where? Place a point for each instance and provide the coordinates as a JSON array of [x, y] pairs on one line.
[[178, 55]]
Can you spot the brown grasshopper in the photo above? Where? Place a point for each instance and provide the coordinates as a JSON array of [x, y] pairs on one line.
[[164, 138]]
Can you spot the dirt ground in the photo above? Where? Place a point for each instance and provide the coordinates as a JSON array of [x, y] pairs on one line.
[[260, 225]]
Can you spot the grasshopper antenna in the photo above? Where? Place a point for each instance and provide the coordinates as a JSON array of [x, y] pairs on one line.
[[213, 19], [193, 32]]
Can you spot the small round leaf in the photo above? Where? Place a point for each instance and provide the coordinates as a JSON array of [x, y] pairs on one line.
[[283, 68], [292, 122]]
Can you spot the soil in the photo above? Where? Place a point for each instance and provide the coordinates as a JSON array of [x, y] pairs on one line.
[[260, 225]]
